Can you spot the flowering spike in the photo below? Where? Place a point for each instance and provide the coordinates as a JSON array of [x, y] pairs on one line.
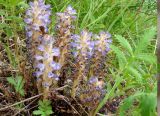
[[41, 45]]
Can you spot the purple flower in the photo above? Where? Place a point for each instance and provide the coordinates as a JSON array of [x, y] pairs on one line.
[[103, 43], [38, 57], [70, 10], [47, 40], [56, 78], [41, 48], [35, 27], [91, 47], [59, 14], [74, 17], [48, 6], [38, 74], [86, 34], [50, 75], [55, 66], [28, 20], [40, 66], [73, 44], [75, 53], [29, 34], [46, 55], [41, 18], [108, 35], [45, 84], [93, 80], [75, 37], [31, 4], [29, 12], [55, 52]]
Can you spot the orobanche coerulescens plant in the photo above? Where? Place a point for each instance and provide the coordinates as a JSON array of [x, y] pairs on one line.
[[52, 56]]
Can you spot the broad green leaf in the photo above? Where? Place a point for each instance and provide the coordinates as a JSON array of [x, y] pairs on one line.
[[124, 43]]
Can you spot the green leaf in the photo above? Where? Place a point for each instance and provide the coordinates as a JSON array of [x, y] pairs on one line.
[[40, 103], [37, 112], [142, 44], [2, 12], [47, 102], [124, 43], [120, 55], [148, 104], [133, 71], [11, 80], [48, 112], [20, 82], [127, 103], [23, 5], [10, 55], [45, 107], [21, 91], [3, 25], [147, 57]]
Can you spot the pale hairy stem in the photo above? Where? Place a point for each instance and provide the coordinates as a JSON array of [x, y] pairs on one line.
[[77, 78]]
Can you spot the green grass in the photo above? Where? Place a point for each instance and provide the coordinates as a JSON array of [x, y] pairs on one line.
[[132, 58]]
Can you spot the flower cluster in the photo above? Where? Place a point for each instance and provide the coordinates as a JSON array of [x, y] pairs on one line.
[[64, 29], [37, 16], [90, 52], [82, 44], [41, 46], [50, 55], [94, 91], [81, 52], [102, 46]]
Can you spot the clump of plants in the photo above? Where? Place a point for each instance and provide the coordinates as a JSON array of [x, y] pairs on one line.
[[68, 70], [83, 55]]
